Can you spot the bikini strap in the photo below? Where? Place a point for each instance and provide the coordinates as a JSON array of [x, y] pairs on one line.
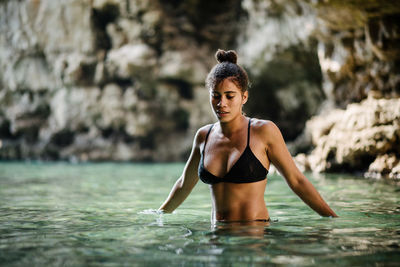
[[205, 141], [248, 133]]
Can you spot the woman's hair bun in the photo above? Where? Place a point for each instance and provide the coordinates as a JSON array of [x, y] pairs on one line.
[[223, 56]]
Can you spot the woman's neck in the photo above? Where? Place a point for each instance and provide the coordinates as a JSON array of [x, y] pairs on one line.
[[229, 128]]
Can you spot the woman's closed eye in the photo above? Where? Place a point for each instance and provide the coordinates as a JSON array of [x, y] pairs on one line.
[[216, 96], [219, 96]]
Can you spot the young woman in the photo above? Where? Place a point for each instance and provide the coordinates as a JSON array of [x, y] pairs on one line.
[[233, 155]]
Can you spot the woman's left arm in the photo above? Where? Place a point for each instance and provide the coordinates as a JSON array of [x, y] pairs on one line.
[[279, 155]]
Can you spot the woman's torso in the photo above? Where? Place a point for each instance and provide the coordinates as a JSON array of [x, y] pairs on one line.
[[239, 202], [222, 160]]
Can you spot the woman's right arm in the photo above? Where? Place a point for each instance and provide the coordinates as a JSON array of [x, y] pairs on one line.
[[184, 185]]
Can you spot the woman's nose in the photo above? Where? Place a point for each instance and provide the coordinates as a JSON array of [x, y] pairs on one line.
[[221, 102]]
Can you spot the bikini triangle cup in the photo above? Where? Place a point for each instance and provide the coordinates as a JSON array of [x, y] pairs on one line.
[[247, 169]]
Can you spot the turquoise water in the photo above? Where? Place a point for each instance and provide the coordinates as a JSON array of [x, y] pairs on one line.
[[54, 214]]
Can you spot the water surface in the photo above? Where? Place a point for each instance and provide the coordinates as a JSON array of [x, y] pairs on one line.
[[101, 214]]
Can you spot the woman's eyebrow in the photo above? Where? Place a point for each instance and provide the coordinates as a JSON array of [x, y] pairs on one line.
[[226, 92]]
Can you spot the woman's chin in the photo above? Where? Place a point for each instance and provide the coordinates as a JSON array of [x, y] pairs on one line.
[[227, 117], [222, 117]]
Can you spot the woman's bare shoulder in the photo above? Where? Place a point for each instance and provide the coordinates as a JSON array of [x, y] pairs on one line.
[[265, 129], [201, 133], [263, 125]]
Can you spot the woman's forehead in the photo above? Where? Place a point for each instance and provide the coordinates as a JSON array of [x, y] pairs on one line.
[[226, 86]]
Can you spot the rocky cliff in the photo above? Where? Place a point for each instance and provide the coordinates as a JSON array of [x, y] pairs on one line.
[[124, 79], [358, 127]]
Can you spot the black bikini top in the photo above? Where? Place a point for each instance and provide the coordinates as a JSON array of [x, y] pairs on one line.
[[247, 169]]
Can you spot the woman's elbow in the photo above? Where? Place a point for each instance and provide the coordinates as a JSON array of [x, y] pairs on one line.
[[296, 182], [185, 184]]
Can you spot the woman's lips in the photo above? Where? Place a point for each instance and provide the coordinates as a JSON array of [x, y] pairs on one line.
[[222, 113]]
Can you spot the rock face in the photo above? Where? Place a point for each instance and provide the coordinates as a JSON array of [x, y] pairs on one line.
[[104, 80], [359, 55], [359, 49], [365, 136], [124, 80]]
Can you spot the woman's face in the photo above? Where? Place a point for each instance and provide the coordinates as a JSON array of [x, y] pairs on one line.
[[227, 100]]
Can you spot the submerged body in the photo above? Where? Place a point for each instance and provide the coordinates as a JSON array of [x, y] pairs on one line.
[[233, 156]]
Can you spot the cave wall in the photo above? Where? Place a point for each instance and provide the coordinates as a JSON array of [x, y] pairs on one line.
[[124, 80], [359, 49], [106, 80], [358, 128]]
